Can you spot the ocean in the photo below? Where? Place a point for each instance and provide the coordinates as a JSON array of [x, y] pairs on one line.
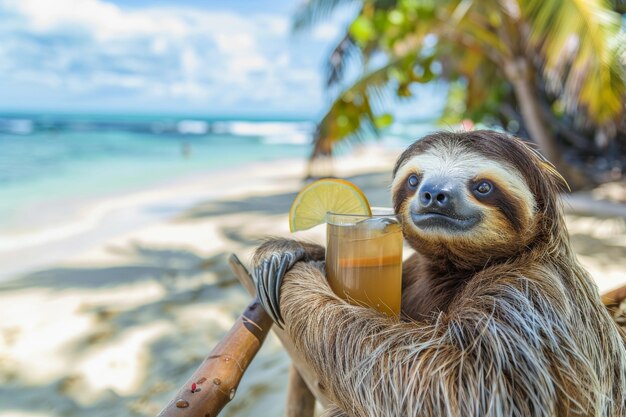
[[52, 158], [52, 166]]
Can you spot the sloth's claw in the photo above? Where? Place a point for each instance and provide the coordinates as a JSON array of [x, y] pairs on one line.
[[269, 277], [286, 262], [263, 290]]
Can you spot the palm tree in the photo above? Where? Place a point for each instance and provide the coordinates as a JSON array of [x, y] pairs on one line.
[[554, 65]]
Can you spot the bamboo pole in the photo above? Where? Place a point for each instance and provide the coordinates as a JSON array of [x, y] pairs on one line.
[[305, 371], [215, 382]]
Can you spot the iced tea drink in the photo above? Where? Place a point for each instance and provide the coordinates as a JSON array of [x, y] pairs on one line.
[[364, 259]]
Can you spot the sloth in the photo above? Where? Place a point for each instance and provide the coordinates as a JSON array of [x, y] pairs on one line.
[[498, 317]]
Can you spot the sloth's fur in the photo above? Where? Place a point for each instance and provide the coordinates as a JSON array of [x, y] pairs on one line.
[[500, 320]]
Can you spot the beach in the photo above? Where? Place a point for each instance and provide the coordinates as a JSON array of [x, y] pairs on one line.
[[111, 320], [142, 144]]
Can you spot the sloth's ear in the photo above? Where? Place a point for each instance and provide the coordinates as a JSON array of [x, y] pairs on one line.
[[556, 175], [552, 174]]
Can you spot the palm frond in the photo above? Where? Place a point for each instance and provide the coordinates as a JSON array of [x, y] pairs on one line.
[[577, 40], [341, 56], [311, 12], [483, 36], [356, 112], [619, 6], [351, 114]]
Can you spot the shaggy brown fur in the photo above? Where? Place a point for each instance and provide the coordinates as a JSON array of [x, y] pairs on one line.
[[504, 325]]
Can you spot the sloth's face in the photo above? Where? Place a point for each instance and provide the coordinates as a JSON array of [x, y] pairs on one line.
[[448, 192]]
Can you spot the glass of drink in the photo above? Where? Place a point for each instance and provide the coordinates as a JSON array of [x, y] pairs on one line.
[[364, 259]]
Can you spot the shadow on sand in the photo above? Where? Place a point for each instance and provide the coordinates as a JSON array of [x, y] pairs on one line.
[[148, 263], [189, 282], [376, 184]]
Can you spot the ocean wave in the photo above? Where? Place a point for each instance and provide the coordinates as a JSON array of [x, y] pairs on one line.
[[193, 127], [291, 139], [270, 133], [248, 128], [17, 126]]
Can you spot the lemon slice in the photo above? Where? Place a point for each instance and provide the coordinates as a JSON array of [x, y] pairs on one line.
[[318, 198]]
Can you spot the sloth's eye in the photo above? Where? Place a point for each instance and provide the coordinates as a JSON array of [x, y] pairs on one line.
[[413, 181], [484, 187]]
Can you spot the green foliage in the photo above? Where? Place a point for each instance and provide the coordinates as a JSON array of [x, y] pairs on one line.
[[383, 121], [580, 42], [576, 46], [352, 114], [362, 30]]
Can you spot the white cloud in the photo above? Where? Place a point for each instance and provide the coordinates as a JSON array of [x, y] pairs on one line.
[[231, 43], [85, 46], [104, 20], [326, 32], [191, 62]]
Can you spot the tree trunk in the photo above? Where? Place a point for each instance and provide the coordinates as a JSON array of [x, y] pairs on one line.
[[520, 74]]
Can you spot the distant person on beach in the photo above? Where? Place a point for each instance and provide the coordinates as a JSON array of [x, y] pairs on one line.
[[185, 150]]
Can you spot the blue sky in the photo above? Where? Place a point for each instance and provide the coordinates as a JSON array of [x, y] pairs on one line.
[[219, 57]]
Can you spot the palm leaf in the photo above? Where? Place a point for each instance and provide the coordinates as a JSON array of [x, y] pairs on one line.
[[345, 52], [351, 114], [579, 43], [311, 12], [356, 112]]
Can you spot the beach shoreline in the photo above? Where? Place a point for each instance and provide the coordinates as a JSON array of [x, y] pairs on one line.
[[72, 225], [94, 220]]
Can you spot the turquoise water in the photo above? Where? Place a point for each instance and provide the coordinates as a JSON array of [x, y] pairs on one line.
[[46, 158], [57, 158], [64, 180]]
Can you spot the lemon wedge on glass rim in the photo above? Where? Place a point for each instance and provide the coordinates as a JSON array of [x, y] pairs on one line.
[[326, 195]]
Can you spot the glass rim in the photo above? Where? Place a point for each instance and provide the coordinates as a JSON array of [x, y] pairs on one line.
[[383, 212], [352, 219]]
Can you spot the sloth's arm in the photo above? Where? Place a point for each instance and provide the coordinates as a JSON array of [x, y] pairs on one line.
[[310, 251], [483, 354], [276, 256], [271, 262]]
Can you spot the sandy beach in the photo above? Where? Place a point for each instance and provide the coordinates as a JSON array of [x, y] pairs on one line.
[[113, 326]]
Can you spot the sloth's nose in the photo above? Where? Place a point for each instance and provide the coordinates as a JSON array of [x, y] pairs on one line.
[[435, 195]]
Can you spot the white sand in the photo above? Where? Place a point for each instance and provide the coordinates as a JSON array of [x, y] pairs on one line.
[[124, 311]]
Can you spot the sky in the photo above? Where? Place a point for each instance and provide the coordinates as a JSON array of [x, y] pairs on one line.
[[218, 57]]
